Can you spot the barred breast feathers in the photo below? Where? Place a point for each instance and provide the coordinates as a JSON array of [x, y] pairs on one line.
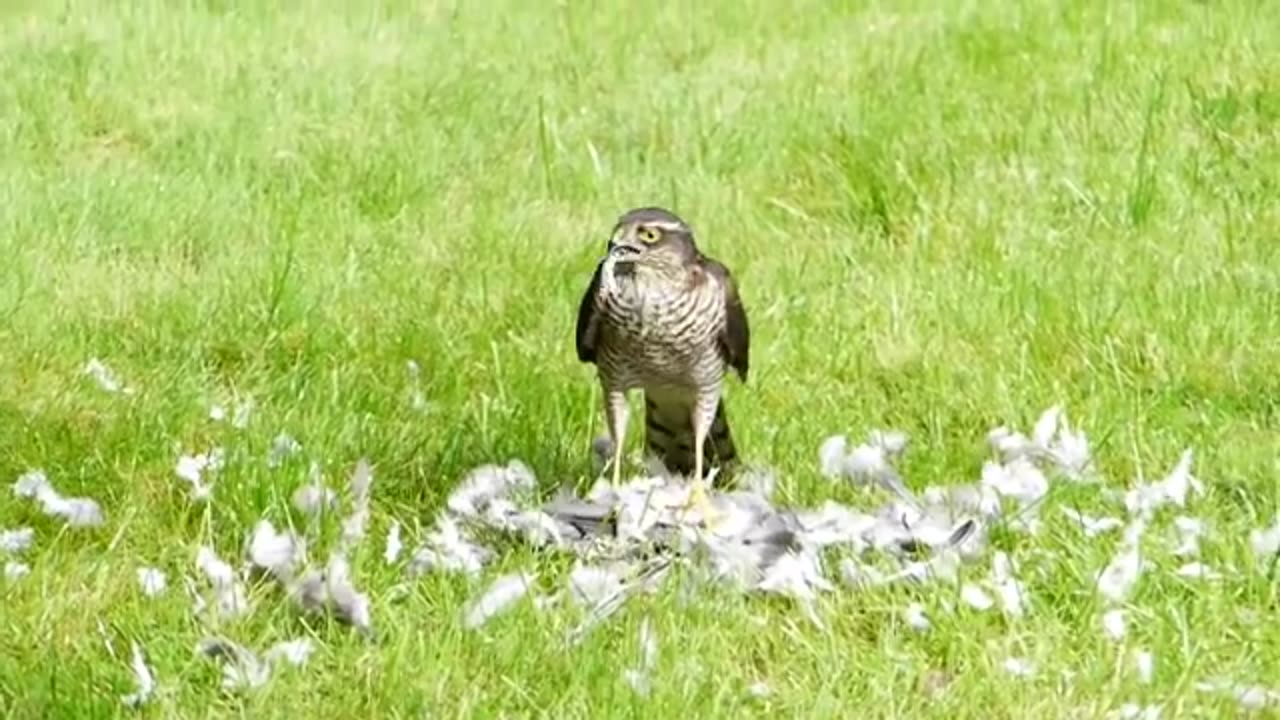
[[656, 331]]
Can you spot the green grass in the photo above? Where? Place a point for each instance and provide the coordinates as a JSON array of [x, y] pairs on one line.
[[942, 217]]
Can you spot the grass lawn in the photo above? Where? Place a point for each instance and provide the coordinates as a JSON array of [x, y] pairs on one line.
[[942, 217]]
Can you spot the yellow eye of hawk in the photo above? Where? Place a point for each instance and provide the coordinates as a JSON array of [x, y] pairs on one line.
[[647, 234]]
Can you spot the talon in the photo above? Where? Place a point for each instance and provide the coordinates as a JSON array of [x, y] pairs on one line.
[[709, 516]]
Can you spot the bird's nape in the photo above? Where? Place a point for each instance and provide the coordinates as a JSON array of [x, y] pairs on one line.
[[652, 215]]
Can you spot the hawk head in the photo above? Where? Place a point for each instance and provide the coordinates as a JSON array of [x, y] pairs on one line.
[[652, 237]]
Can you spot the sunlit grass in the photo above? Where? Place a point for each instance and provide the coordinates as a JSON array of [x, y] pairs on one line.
[[942, 218]]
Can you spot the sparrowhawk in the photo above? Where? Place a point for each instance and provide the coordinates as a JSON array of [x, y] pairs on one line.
[[661, 316]]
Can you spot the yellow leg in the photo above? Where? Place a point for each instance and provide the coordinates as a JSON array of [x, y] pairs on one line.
[[698, 493], [616, 414], [617, 463]]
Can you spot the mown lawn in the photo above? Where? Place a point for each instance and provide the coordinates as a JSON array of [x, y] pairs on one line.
[[942, 218]]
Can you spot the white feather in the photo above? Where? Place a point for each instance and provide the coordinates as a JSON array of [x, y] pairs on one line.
[[76, 511], [294, 652], [1145, 664], [283, 446], [1019, 667], [1266, 541], [15, 570], [152, 581], [500, 596], [975, 597], [1114, 625], [831, 456], [16, 541], [143, 677], [590, 585], [916, 618], [394, 546]]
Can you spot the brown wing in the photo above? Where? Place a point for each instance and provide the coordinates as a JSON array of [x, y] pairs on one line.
[[587, 325], [735, 337]]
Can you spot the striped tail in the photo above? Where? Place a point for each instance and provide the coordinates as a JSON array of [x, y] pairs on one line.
[[668, 420]]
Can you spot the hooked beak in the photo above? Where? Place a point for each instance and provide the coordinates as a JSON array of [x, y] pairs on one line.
[[622, 249]]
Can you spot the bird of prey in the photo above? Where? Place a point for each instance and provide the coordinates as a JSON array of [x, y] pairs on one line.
[[661, 316]]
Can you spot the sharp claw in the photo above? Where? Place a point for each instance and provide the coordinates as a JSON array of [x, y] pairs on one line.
[[700, 501]]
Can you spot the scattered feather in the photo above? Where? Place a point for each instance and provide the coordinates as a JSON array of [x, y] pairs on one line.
[[795, 574], [487, 483], [191, 468], [1266, 541], [152, 581], [1046, 426], [638, 677], [891, 442], [105, 377], [1051, 438], [16, 541], [417, 400], [283, 446], [244, 411], [1173, 489], [1180, 480], [869, 462], [1117, 579], [1018, 479], [242, 669], [1019, 667], [647, 578], [76, 512], [276, 552], [1145, 664], [357, 522], [1199, 571], [214, 568], [1009, 444], [831, 456], [314, 498], [448, 548], [916, 618], [231, 599], [294, 652], [765, 548], [590, 585], [1093, 526], [866, 463], [759, 481], [1070, 451], [346, 602], [648, 645], [239, 418], [1249, 697], [638, 681], [601, 453], [759, 689], [1134, 711], [1190, 530], [1011, 592], [503, 593], [14, 571], [1114, 625], [975, 597], [143, 678], [393, 546]]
